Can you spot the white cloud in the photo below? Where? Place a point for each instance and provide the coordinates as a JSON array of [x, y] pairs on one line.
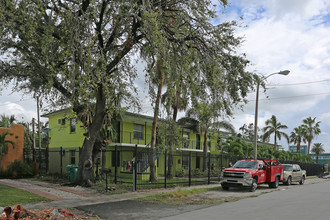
[[325, 118], [293, 35], [21, 114]]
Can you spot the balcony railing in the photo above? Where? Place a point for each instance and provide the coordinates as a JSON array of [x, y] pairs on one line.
[[141, 138]]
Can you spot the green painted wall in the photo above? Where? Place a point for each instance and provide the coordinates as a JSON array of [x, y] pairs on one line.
[[60, 136], [54, 166]]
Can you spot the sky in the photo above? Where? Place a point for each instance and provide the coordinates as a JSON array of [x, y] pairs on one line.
[[278, 35]]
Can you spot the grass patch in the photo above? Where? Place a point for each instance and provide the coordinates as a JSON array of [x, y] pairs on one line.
[[12, 196], [98, 186], [312, 177], [174, 182], [51, 179], [182, 197]]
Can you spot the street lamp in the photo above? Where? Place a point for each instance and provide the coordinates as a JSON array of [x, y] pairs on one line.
[[255, 146]]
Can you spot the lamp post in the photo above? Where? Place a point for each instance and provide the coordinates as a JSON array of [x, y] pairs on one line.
[[255, 146]]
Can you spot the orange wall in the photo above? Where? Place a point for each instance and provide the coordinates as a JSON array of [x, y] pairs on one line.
[[15, 153]]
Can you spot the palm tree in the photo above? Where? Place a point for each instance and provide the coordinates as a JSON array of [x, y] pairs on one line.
[[178, 102], [6, 121], [248, 131], [273, 126], [200, 121], [4, 143], [297, 136], [311, 129], [318, 149]]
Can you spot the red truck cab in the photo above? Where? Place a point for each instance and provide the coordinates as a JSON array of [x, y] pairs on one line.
[[250, 173]]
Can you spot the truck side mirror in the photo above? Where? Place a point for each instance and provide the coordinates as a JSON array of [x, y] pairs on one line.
[[264, 167]]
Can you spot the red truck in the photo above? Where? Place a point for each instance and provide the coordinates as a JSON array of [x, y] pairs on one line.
[[250, 173]]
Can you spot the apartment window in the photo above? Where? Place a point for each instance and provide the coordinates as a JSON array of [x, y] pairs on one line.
[[198, 162], [61, 121], [73, 156], [72, 125], [185, 136], [113, 158], [198, 141], [209, 142], [185, 161], [138, 131]]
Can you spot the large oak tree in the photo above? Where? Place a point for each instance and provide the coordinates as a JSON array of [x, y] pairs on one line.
[[78, 53]]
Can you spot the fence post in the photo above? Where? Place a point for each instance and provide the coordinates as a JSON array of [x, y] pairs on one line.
[[116, 154], [165, 174], [209, 174], [189, 168], [135, 167], [221, 163], [47, 159], [145, 133], [61, 159]]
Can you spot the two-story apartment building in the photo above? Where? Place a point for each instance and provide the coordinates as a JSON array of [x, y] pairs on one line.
[[130, 141]]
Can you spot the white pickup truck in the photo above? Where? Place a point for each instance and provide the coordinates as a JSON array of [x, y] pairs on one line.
[[293, 173]]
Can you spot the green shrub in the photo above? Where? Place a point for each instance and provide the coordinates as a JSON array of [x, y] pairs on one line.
[[4, 174], [215, 172], [17, 169], [180, 172], [196, 172]]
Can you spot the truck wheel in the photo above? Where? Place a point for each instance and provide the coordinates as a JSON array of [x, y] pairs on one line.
[[224, 187], [302, 181], [253, 186], [289, 181], [274, 184]]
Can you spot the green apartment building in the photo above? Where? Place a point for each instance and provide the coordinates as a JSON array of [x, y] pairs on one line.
[[323, 158], [131, 142]]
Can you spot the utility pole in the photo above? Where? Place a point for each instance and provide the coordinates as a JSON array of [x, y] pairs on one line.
[[39, 129], [34, 141]]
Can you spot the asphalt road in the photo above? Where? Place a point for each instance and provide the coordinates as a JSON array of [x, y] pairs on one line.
[[304, 202], [309, 202]]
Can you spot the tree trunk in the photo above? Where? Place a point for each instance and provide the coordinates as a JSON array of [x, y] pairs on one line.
[[104, 158], [275, 142], [170, 156], [298, 147], [309, 147], [205, 152], [86, 168], [170, 163], [160, 74]]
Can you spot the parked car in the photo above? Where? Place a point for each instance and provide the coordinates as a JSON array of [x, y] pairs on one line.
[[250, 173], [293, 173]]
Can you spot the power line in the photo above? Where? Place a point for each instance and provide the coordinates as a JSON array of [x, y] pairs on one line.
[[296, 84], [16, 102], [298, 96]]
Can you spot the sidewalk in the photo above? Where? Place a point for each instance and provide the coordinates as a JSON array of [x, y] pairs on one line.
[[69, 197]]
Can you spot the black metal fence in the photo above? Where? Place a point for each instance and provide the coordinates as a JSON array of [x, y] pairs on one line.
[[312, 169], [131, 166]]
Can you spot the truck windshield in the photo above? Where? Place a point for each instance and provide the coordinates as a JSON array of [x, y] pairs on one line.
[[246, 164], [288, 168]]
